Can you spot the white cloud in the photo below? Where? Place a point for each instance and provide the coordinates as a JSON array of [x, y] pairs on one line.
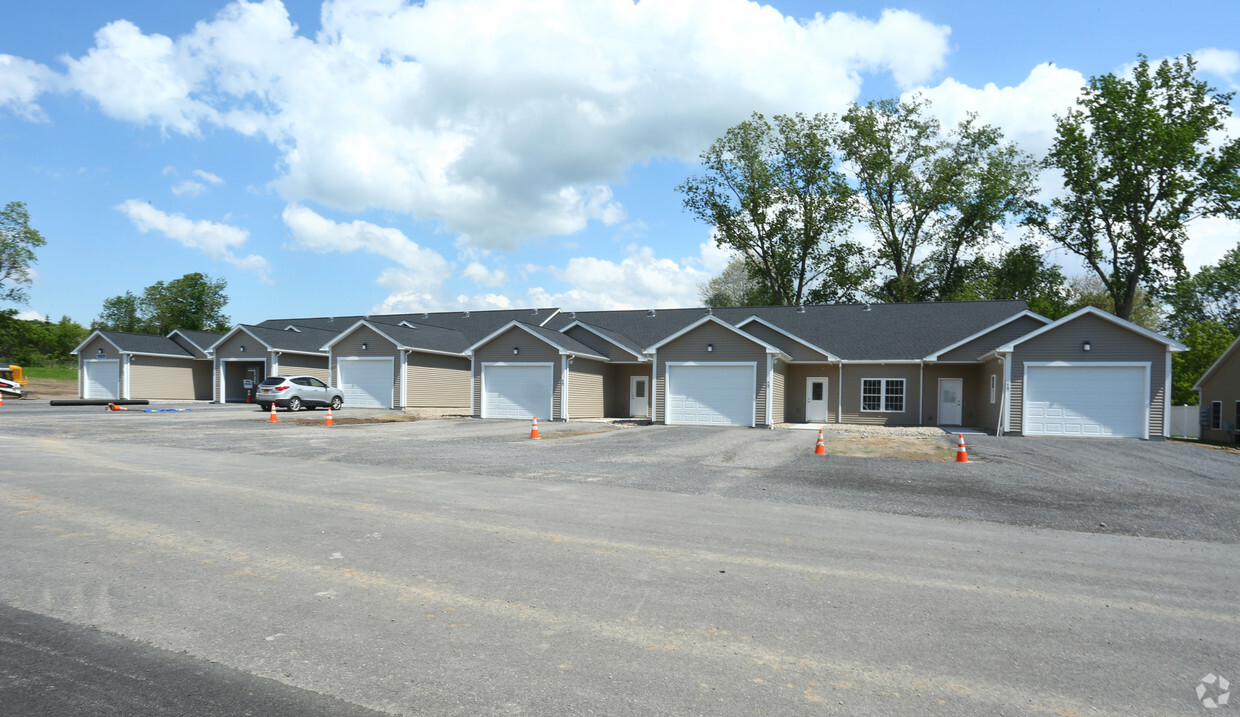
[[639, 281], [208, 177], [217, 241], [188, 188], [497, 120], [1208, 240], [483, 276], [21, 83], [1224, 63], [30, 316]]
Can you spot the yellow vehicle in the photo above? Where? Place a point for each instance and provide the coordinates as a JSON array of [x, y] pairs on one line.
[[11, 380]]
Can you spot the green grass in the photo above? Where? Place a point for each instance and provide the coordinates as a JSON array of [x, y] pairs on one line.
[[68, 373]]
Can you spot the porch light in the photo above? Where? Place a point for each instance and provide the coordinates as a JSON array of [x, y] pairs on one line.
[[515, 350], [710, 347], [363, 346], [101, 354], [1085, 346], [241, 348]]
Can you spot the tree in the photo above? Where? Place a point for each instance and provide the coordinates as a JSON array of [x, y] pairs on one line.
[[1088, 290], [1023, 273], [1206, 341], [1212, 294], [774, 194], [30, 343], [17, 244], [734, 286], [1139, 163], [933, 202], [195, 302]]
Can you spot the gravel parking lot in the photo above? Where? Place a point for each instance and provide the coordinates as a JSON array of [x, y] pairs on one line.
[[1127, 487]]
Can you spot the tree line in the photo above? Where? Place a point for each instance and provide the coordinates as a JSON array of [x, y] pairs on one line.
[[1140, 157]]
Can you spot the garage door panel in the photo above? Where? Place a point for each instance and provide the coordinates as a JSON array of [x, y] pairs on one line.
[[711, 395], [367, 384], [1086, 401], [517, 391], [102, 379]]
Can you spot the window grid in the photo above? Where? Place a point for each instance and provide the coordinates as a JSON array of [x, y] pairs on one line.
[[883, 395]]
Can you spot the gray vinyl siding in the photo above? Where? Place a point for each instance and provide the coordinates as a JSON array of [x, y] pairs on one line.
[[530, 349], [622, 374], [779, 379], [376, 347], [600, 345], [1108, 343], [988, 413], [255, 354], [970, 408], [437, 381], [988, 342], [795, 349], [305, 365], [851, 392], [1223, 386], [794, 390], [167, 378], [729, 347], [586, 386]]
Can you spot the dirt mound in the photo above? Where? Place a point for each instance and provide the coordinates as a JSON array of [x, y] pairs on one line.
[[49, 388]]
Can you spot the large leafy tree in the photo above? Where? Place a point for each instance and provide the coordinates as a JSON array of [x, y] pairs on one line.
[[18, 240], [774, 193], [195, 301], [933, 200], [1140, 160], [1206, 341], [1022, 272], [734, 286], [1212, 294], [1088, 290]]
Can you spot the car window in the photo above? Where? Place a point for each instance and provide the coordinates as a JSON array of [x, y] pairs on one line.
[[316, 383], [272, 381], [302, 381]]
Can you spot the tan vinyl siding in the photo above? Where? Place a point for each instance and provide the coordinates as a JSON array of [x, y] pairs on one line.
[[1108, 343], [794, 389], [159, 377], [1223, 386], [586, 381], [779, 379], [305, 365], [989, 342], [851, 392], [618, 405], [988, 413], [255, 355], [376, 346], [797, 350], [728, 347], [437, 381], [970, 413], [531, 349]]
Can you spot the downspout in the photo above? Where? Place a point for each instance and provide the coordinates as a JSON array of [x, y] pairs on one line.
[[404, 379], [921, 395], [473, 379], [1005, 420], [654, 386], [564, 358], [1167, 397], [124, 387], [839, 396], [770, 386]]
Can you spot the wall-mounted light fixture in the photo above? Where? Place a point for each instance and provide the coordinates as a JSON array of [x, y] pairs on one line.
[[1085, 346], [363, 346], [101, 354], [710, 347], [242, 348], [515, 350]]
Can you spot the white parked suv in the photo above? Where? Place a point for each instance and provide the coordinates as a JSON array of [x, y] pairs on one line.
[[294, 392]]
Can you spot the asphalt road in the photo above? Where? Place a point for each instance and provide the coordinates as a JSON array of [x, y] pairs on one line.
[[459, 568]]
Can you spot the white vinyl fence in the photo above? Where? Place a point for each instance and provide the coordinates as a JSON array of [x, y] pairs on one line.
[[1186, 421]]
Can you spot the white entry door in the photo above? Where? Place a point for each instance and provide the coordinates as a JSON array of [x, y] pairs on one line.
[[639, 396], [815, 399], [950, 401]]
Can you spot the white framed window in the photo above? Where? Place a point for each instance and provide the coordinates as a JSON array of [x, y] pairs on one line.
[[885, 395], [1216, 415], [994, 383]]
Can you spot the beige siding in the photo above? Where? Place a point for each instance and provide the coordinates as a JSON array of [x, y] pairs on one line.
[[851, 391], [1223, 386], [794, 389], [305, 365], [255, 355], [971, 403], [376, 347], [1108, 343], [728, 347], [988, 413], [168, 378], [530, 349], [779, 379], [622, 374], [795, 349], [990, 341], [586, 386], [436, 381]]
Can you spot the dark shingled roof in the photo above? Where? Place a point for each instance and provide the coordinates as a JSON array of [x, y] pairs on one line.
[[564, 341], [424, 336], [305, 340], [475, 326], [201, 339], [146, 344], [850, 331]]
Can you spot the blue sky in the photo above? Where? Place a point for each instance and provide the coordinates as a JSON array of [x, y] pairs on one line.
[[366, 156]]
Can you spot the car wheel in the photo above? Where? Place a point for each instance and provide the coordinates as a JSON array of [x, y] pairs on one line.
[[337, 402], [294, 404], [264, 407]]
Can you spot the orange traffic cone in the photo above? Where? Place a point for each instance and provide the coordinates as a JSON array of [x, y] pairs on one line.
[[273, 418], [329, 417], [962, 456], [1, 401], [114, 407], [534, 429], [821, 448]]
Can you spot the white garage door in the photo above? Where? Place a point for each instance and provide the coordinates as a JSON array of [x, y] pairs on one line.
[[1099, 401], [517, 391], [711, 395], [102, 378], [367, 383]]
